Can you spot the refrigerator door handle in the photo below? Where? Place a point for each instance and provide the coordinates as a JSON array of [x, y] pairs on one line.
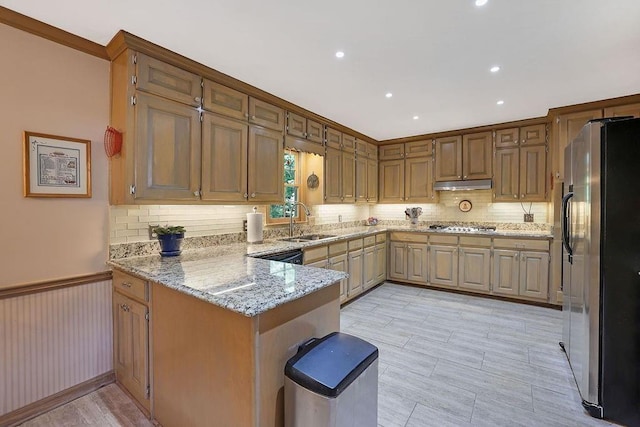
[[565, 225]]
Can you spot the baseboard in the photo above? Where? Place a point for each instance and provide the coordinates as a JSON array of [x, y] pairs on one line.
[[34, 409]]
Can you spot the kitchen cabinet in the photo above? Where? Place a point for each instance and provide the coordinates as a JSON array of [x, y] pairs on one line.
[[520, 164], [339, 168], [355, 268], [409, 259], [348, 177], [167, 150], [366, 179], [265, 165], [333, 175], [566, 128], [632, 110], [372, 180], [159, 78], [131, 336], [225, 101], [407, 172], [464, 157], [348, 143], [334, 138], [301, 127], [339, 263], [443, 261], [521, 268], [474, 264], [266, 115], [370, 272], [381, 258]]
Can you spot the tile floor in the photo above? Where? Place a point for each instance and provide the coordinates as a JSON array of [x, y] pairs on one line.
[[445, 360]]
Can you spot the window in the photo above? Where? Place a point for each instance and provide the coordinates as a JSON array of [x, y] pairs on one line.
[[280, 213]]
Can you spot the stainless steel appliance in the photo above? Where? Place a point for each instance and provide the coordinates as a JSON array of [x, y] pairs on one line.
[[601, 267], [463, 228], [291, 257]]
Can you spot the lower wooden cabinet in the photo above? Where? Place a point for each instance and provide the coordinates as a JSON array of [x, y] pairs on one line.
[[370, 273], [131, 346], [521, 273], [339, 263], [356, 272], [506, 272], [474, 269], [398, 261], [417, 262], [409, 261], [443, 265], [381, 262]]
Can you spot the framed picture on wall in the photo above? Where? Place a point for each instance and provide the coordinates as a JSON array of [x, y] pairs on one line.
[[56, 166]]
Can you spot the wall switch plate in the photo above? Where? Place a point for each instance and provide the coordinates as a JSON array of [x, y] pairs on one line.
[[339, 218], [528, 217], [244, 225]]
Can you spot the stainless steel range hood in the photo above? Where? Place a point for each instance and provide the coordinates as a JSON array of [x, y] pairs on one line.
[[473, 184]]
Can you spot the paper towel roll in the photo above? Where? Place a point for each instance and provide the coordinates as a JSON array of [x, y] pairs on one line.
[[254, 228]]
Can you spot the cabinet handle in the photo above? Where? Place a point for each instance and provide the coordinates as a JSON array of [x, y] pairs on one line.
[[246, 115], [253, 117], [515, 142], [246, 195], [197, 99], [196, 193], [125, 307], [126, 284], [305, 134], [459, 176], [524, 141], [253, 195], [522, 196], [516, 257], [515, 196], [465, 177]]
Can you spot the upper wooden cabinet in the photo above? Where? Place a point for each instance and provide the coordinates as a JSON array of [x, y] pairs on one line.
[[348, 143], [409, 176], [372, 180], [391, 152], [224, 100], [632, 110], [418, 179], [165, 80], [334, 138], [265, 165], [476, 155], [167, 150], [418, 149], [348, 177], [391, 181], [301, 127], [372, 151], [566, 128], [520, 164], [264, 114], [448, 158], [333, 175], [366, 179]]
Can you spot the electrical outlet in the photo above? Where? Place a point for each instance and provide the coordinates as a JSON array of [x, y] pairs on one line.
[[339, 218], [528, 217], [152, 235], [244, 225]]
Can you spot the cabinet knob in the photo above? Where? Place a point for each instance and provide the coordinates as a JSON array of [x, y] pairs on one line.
[[522, 196], [197, 99], [253, 195], [524, 141], [459, 176], [246, 115], [126, 284], [515, 196], [246, 195], [253, 117], [196, 193], [305, 134], [465, 177]]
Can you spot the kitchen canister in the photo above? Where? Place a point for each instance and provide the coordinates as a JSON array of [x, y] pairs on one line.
[[254, 226]]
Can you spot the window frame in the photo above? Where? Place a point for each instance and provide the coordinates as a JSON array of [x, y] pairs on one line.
[[297, 184]]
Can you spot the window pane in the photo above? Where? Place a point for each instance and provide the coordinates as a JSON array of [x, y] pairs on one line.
[[289, 176], [291, 196]]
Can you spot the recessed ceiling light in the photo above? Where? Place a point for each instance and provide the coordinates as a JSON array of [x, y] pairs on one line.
[[415, 117], [494, 69], [339, 54], [481, 2], [388, 94], [500, 102]]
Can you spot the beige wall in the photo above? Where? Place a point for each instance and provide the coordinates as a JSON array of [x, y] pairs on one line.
[[49, 88]]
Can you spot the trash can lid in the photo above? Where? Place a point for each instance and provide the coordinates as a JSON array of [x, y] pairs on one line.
[[328, 365]]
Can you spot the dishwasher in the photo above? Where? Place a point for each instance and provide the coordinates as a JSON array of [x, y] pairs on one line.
[[291, 257]]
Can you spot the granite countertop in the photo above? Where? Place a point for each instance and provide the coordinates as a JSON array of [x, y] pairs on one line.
[[226, 277]]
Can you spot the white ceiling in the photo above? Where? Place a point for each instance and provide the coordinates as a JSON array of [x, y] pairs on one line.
[[433, 55]]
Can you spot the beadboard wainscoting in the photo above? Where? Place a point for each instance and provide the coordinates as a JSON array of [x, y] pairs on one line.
[[53, 341]]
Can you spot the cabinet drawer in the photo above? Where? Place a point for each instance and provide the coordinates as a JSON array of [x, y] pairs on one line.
[[132, 286], [410, 237], [444, 240], [355, 244], [535, 245], [369, 241], [475, 241], [315, 254], [337, 248], [381, 237]]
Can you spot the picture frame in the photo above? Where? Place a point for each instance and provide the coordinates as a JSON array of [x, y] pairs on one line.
[[56, 166]]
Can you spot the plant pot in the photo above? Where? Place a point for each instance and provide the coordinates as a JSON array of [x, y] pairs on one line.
[[170, 244]]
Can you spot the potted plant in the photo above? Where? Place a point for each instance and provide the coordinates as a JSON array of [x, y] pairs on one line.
[[170, 238]]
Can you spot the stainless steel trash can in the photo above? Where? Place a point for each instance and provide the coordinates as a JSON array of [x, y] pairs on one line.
[[332, 382]]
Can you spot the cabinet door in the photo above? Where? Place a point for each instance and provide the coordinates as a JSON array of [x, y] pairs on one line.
[[315, 131], [264, 114], [372, 151], [333, 175], [224, 100], [391, 152], [361, 148], [372, 180], [348, 177], [418, 149], [224, 159], [391, 181], [533, 135], [356, 272], [334, 138], [323, 263], [507, 138], [417, 262], [266, 165], [167, 149], [475, 269], [505, 272], [381, 262], [132, 346], [397, 261], [533, 161], [568, 127], [623, 110], [418, 179], [534, 274], [361, 179], [506, 180], [449, 158], [339, 263], [348, 143], [296, 125], [443, 265], [477, 150], [170, 82], [369, 267]]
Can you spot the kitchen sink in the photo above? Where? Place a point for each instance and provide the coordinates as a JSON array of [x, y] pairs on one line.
[[308, 238]]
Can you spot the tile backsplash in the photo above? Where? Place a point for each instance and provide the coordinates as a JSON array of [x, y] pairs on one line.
[[131, 223]]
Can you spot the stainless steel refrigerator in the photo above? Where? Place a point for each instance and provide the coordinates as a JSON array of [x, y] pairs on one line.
[[601, 267]]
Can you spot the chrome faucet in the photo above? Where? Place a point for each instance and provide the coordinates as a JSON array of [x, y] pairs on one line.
[[307, 212]]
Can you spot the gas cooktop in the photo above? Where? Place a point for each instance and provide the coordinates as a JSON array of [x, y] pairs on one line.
[[462, 229]]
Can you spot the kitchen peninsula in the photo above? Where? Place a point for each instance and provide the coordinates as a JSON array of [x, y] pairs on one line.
[[221, 326]]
